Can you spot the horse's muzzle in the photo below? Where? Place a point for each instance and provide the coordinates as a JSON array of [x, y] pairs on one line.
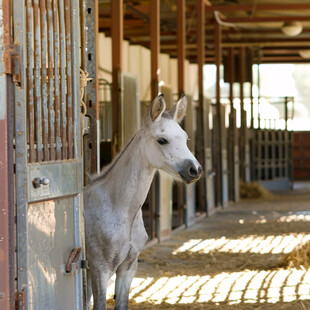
[[191, 171]]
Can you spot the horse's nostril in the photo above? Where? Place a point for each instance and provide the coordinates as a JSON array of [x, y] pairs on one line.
[[192, 171]]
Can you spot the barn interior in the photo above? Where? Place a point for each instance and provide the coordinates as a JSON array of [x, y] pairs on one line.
[[77, 79]]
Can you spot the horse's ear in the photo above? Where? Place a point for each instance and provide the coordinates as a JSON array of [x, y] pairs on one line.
[[179, 109], [158, 107]]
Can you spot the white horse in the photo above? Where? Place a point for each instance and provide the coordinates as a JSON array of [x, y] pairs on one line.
[[115, 233]]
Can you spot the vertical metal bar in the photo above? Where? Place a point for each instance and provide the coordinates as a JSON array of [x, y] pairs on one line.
[[76, 79], [57, 80], [218, 126], [117, 41], [69, 77], [45, 123], [76, 143], [200, 8], [6, 149], [30, 99], [51, 109], [21, 149], [37, 80], [63, 80]]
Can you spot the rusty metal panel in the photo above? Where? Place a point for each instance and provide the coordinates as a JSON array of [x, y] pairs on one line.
[[51, 238], [57, 179]]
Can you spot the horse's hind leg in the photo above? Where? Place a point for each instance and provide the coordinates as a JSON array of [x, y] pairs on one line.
[[99, 282], [124, 275]]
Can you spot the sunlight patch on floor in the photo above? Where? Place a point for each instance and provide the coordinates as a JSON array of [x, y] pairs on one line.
[[250, 286], [280, 244]]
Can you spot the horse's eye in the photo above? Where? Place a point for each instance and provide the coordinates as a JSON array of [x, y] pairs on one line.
[[162, 141]]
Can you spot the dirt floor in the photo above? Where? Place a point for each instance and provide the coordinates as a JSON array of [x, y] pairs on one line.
[[235, 259]]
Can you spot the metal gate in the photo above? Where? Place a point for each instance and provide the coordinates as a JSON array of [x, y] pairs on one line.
[[48, 153]]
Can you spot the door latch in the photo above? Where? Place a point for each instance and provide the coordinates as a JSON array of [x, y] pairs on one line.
[[37, 182]]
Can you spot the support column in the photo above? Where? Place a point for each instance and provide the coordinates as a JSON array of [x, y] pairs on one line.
[[181, 45], [117, 40], [232, 126], [155, 46], [154, 194], [242, 136], [200, 118], [181, 18], [218, 118]]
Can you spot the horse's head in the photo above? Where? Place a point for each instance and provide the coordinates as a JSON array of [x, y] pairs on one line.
[[165, 141]]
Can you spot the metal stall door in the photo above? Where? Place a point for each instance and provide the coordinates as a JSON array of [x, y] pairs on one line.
[[48, 153]]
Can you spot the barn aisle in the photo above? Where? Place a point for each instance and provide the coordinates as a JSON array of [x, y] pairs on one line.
[[235, 259]]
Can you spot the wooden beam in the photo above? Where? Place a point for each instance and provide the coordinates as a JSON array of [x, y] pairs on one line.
[[155, 45], [117, 41], [261, 7], [261, 19], [181, 45]]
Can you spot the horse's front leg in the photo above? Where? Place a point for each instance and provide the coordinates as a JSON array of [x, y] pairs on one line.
[[99, 282], [124, 275]]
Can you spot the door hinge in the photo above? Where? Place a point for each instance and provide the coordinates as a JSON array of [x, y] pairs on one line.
[[20, 300], [13, 66]]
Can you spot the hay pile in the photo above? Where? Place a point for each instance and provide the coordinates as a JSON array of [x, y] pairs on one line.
[[253, 190], [299, 258]]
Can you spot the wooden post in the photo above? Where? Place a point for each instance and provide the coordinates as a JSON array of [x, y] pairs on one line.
[[217, 127], [181, 18], [155, 46], [117, 40], [154, 200], [242, 114], [200, 129], [181, 45], [232, 125]]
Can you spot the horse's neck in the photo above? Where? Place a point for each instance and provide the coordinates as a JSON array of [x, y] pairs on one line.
[[131, 178]]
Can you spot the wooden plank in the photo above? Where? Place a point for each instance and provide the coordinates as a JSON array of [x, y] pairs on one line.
[[269, 19], [117, 38], [261, 7]]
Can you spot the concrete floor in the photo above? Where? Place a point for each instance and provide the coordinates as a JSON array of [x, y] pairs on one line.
[[232, 260]]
